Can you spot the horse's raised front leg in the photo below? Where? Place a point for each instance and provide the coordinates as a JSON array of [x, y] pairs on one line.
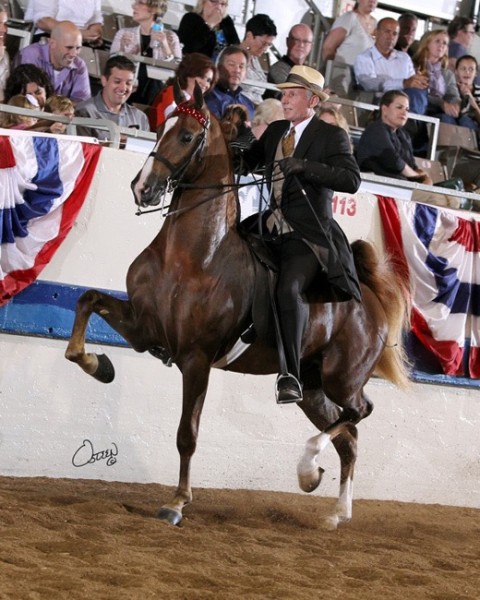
[[117, 313], [195, 382]]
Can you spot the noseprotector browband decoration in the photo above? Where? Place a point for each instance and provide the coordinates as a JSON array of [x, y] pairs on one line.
[[187, 109]]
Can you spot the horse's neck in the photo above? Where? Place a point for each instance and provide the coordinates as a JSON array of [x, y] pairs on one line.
[[203, 218]]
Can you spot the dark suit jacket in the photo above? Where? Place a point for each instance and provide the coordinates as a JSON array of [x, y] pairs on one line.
[[330, 166]]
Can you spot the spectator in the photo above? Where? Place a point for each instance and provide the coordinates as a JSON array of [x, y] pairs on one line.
[[465, 74], [382, 68], [87, 16], [384, 147], [408, 23], [260, 32], [60, 59], [13, 121], [56, 105], [208, 29], [299, 45], [267, 112], [232, 66], [460, 31], [194, 68], [4, 58], [431, 59], [137, 40], [350, 34], [331, 115], [111, 102], [29, 79]]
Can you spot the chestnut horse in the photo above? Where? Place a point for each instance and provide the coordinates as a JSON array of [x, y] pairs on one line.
[[190, 295]]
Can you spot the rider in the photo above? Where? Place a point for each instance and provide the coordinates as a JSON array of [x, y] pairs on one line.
[[306, 238]]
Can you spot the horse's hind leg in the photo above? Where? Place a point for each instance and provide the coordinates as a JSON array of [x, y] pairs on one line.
[[115, 312], [327, 416]]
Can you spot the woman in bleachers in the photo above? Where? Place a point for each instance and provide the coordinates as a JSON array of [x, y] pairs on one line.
[[331, 115], [29, 79], [385, 147], [260, 33], [194, 68], [431, 59], [208, 29], [138, 40], [4, 58], [350, 34]]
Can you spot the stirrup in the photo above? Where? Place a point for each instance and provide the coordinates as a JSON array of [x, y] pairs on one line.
[[288, 389]]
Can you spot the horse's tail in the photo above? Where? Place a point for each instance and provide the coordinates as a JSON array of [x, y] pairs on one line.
[[394, 296]]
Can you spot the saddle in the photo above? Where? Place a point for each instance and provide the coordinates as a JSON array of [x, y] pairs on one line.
[[263, 322]]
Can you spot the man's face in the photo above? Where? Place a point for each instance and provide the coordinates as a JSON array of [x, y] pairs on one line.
[[233, 69], [117, 88], [299, 44], [65, 49], [297, 104], [408, 30], [387, 36]]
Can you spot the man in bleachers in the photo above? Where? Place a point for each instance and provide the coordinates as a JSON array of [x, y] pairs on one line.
[[299, 45], [232, 68], [382, 68], [460, 31], [60, 59], [408, 23], [87, 16], [111, 102]]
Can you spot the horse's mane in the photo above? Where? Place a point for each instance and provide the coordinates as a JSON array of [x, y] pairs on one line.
[[233, 121]]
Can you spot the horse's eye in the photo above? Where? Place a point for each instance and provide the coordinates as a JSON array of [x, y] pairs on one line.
[[187, 137]]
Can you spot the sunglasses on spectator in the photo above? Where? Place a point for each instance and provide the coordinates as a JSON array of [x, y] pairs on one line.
[[218, 2]]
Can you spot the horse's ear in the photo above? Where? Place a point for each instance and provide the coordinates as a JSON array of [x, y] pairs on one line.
[[178, 95], [198, 96]]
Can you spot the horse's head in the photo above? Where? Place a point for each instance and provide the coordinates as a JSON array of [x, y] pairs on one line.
[[179, 147]]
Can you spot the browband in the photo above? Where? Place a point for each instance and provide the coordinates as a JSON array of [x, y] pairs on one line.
[[187, 109]]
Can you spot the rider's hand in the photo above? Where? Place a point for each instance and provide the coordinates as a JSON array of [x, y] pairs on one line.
[[292, 166]]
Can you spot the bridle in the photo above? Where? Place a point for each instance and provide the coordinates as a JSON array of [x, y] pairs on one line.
[[177, 172]]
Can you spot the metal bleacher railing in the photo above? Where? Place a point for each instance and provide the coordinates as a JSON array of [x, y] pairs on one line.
[[115, 133]]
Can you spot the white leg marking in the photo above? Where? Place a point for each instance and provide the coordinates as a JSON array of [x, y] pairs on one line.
[[316, 444], [343, 508]]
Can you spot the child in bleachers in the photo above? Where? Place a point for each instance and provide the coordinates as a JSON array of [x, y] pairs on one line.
[[13, 121], [466, 69]]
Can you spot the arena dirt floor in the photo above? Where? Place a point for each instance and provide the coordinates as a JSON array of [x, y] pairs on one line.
[[77, 539]]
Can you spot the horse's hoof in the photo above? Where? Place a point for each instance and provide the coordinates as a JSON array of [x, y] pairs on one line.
[[105, 372], [170, 515], [330, 523], [309, 482]]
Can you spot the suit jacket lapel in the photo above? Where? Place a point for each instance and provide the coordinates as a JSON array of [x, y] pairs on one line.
[[308, 136]]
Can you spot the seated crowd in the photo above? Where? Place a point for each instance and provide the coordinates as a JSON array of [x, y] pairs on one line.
[[435, 76]]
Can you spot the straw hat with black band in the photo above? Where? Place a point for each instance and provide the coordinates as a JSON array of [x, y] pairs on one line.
[[305, 77]]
